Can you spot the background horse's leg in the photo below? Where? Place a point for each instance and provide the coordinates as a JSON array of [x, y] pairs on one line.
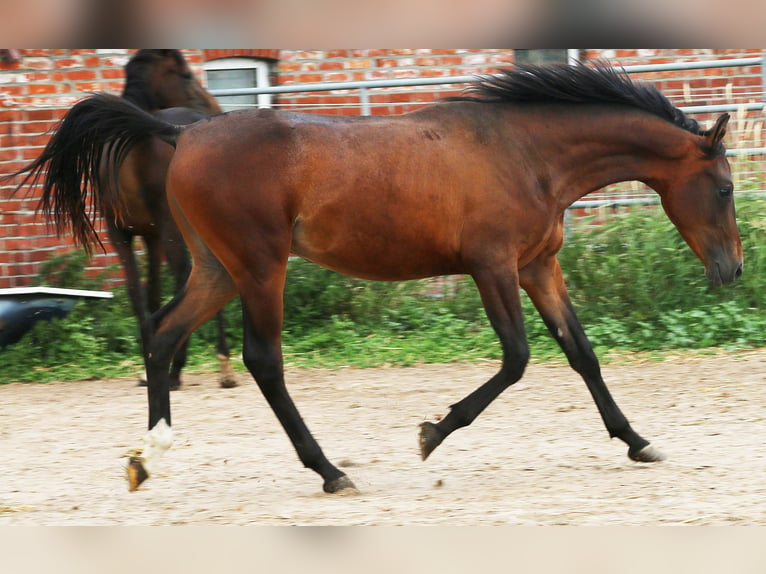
[[227, 380], [500, 295], [123, 245], [543, 280], [178, 261], [154, 273], [154, 252], [206, 291], [262, 354], [122, 241]]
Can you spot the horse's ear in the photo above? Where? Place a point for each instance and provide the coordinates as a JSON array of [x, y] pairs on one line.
[[715, 134]]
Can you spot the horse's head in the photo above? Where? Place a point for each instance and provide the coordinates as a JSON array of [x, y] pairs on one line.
[[169, 78], [165, 80], [698, 198]]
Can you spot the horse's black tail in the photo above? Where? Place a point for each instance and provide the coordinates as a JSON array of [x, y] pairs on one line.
[[86, 152]]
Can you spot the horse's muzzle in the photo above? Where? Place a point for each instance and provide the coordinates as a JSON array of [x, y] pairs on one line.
[[719, 273]]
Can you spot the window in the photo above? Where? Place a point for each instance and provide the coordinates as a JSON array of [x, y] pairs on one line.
[[232, 73], [541, 57]]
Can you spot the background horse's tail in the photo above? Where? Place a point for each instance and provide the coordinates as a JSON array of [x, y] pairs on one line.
[[86, 152]]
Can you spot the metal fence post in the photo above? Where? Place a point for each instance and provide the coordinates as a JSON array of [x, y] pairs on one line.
[[364, 100], [763, 78]]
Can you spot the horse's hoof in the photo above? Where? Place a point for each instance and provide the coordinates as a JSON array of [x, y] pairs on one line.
[[142, 382], [341, 484], [175, 385], [228, 383], [430, 437], [136, 473], [647, 454]]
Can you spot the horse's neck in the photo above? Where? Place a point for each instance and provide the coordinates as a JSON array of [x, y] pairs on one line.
[[606, 149], [137, 94]]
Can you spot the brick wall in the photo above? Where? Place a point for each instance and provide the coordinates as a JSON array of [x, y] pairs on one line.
[[38, 89]]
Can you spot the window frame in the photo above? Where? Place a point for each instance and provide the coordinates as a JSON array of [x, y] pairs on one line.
[[262, 75]]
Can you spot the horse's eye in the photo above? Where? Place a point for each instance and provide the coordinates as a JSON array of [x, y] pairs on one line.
[[726, 191]]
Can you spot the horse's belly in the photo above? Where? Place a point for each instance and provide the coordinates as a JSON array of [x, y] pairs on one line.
[[382, 254]]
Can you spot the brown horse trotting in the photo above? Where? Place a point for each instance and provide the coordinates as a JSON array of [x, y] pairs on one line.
[[161, 82], [475, 185]]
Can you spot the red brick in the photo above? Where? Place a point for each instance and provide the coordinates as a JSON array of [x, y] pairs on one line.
[[64, 63], [308, 78], [38, 115], [338, 77], [336, 54], [286, 67], [81, 75], [42, 88], [358, 64], [89, 87], [113, 73], [7, 154]]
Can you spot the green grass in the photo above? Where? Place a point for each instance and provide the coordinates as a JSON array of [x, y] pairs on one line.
[[635, 284]]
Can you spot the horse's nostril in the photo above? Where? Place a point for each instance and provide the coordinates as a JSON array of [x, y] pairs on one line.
[[738, 272]]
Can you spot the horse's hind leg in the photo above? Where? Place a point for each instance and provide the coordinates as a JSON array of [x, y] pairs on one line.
[[208, 289], [122, 241], [180, 263], [500, 295], [262, 354], [544, 283]]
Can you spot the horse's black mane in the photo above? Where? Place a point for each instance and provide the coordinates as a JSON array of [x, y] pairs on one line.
[[578, 84], [137, 89]]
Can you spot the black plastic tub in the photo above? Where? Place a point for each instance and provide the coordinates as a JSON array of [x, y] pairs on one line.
[[22, 307]]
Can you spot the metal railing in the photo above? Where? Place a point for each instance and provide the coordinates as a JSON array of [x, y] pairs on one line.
[[364, 86]]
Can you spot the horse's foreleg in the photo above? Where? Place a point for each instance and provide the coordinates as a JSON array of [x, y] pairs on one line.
[[500, 295], [544, 283], [262, 354], [166, 331]]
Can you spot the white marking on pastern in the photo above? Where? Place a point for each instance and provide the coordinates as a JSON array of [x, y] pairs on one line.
[[156, 442]]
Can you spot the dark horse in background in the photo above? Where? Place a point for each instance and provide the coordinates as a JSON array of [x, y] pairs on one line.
[[160, 82], [475, 185]]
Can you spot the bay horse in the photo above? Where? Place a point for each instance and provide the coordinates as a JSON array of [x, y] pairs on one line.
[[160, 82], [475, 185]]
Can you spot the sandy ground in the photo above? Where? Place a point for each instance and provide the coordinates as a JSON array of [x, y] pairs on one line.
[[538, 456]]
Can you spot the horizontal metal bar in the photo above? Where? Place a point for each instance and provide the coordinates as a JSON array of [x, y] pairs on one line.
[[676, 66], [721, 108], [356, 85], [408, 82], [646, 200], [746, 151]]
